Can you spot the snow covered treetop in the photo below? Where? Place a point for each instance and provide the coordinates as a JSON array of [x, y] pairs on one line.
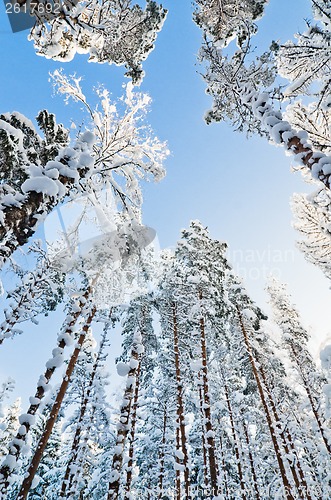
[[223, 21], [114, 32]]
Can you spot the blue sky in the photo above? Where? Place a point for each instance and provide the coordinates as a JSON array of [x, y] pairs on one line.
[[239, 188]]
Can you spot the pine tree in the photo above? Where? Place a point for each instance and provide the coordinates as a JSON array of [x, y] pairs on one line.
[[126, 425], [241, 84], [295, 339], [9, 426], [27, 420], [29, 477], [87, 380], [115, 32], [116, 146], [312, 221], [37, 292]]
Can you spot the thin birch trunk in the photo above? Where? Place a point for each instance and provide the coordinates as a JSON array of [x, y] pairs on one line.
[[26, 485]]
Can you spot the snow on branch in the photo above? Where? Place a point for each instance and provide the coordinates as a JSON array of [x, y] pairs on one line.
[[114, 32]]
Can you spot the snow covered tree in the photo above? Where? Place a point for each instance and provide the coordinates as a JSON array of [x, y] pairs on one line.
[[228, 18], [134, 328], [307, 62], [5, 389], [248, 93], [118, 149], [116, 32], [29, 477], [21, 148], [47, 479], [37, 292], [27, 420], [240, 83], [277, 400], [88, 382], [8, 426], [312, 220], [295, 339]]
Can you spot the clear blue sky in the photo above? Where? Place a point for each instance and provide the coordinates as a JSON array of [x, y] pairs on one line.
[[239, 188]]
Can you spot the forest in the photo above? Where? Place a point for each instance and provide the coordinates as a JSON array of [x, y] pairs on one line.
[[213, 397]]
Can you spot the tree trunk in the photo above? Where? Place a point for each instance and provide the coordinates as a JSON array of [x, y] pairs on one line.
[[287, 441], [251, 460], [132, 434], [226, 489], [162, 455], [26, 485], [203, 439], [68, 476], [213, 465], [235, 439], [273, 434], [123, 425], [180, 405], [177, 480], [21, 438]]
